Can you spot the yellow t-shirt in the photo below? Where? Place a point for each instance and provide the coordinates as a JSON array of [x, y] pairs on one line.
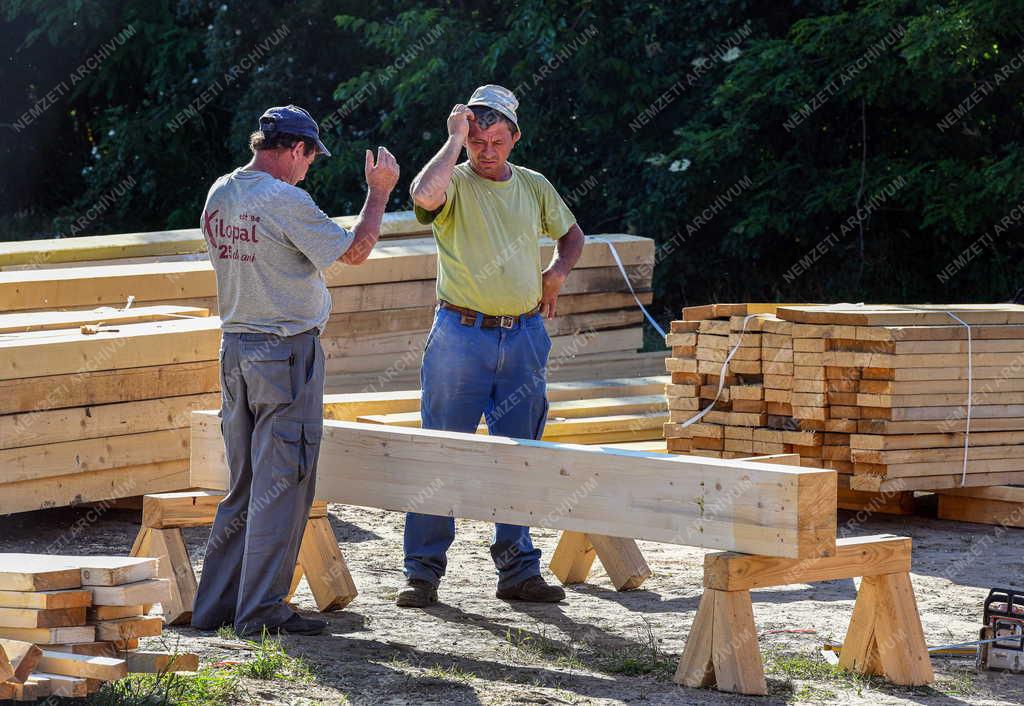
[[488, 232]]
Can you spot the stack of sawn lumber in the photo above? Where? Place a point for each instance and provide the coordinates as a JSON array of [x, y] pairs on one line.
[[68, 624], [877, 393], [383, 308], [101, 415], [94, 403]]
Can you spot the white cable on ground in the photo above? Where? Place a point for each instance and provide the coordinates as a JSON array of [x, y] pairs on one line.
[[625, 276]]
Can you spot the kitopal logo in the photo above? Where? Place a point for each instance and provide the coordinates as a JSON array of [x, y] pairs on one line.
[[224, 238]]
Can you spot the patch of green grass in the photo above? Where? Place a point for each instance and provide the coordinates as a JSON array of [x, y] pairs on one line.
[[525, 647], [270, 661], [227, 632], [812, 666], [207, 687], [643, 658], [452, 672], [803, 666], [960, 683]]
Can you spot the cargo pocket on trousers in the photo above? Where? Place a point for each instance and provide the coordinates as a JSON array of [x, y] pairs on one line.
[[312, 434], [268, 374], [296, 448]]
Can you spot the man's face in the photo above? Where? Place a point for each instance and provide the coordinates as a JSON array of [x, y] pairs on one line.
[[489, 148], [300, 163]]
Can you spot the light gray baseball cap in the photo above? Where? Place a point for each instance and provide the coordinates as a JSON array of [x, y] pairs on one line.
[[497, 97]]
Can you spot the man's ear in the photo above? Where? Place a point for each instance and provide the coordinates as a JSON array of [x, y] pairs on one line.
[[516, 136]]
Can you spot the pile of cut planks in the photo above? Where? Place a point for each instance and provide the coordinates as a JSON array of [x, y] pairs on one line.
[[383, 308], [94, 403], [877, 393], [101, 415], [68, 624]]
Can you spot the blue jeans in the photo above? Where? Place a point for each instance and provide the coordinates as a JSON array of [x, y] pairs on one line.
[[468, 371]]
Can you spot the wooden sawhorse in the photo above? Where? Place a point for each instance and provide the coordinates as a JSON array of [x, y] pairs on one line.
[[884, 638], [165, 514]]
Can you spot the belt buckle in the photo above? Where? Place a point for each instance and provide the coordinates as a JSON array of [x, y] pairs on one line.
[[506, 321]]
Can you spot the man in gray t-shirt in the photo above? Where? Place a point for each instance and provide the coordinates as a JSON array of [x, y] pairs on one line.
[[269, 244]]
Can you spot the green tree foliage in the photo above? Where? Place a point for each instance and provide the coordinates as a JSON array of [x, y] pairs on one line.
[[743, 136]]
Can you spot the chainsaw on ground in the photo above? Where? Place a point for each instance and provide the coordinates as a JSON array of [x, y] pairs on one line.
[[1002, 638]]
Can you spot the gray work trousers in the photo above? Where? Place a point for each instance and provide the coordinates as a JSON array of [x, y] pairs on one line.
[[272, 391]]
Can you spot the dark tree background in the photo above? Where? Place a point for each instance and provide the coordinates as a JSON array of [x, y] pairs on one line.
[[740, 135]]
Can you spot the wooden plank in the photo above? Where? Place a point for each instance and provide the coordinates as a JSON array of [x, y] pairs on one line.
[[93, 422], [34, 618], [23, 657], [129, 628], [43, 600], [998, 505], [188, 508], [737, 658], [42, 253], [151, 590], [326, 571], [84, 666], [131, 346], [622, 561], [108, 386], [780, 510], [573, 558], [855, 556], [32, 572], [46, 636], [51, 320], [67, 458], [109, 612], [175, 566], [94, 486], [696, 666], [879, 484], [895, 315], [6, 668], [67, 687]]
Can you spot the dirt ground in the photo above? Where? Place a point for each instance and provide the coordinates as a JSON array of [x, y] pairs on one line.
[[600, 646]]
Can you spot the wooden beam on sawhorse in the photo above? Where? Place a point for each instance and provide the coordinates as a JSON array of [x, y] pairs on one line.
[[165, 514], [619, 556], [884, 638]]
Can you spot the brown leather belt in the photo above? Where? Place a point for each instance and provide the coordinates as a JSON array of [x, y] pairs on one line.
[[469, 316]]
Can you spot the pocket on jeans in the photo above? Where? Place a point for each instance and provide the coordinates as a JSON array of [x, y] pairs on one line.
[[312, 434], [268, 374]]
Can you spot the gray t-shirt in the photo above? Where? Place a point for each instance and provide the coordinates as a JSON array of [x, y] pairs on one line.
[[269, 242]]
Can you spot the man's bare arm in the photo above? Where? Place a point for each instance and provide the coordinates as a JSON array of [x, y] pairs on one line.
[[568, 249], [429, 187], [380, 180]]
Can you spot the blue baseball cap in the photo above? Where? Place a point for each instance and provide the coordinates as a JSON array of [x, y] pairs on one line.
[[293, 120]]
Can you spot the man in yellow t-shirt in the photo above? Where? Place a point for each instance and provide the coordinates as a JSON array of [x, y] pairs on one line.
[[487, 350]]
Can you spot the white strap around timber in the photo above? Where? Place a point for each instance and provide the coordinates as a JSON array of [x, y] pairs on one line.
[[721, 376], [625, 276]]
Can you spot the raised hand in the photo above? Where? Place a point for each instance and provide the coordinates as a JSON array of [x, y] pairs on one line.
[[458, 121], [383, 175]]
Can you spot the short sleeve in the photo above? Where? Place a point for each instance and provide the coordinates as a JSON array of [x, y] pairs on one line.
[[556, 218], [440, 215], [310, 230]]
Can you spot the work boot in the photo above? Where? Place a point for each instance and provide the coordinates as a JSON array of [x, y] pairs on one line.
[[295, 625], [534, 589], [417, 594]]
